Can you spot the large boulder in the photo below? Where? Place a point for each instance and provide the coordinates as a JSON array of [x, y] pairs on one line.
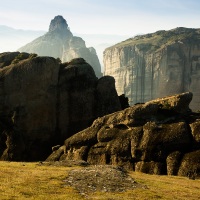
[[190, 164], [178, 103], [195, 127], [158, 137], [173, 162], [43, 102], [28, 103]]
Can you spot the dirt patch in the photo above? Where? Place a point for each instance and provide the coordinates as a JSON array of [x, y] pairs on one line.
[[103, 178], [65, 163]]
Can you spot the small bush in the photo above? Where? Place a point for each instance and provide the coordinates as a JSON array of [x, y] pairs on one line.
[[33, 55], [21, 56]]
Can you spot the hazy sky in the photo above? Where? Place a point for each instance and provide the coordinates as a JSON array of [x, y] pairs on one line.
[[120, 17]]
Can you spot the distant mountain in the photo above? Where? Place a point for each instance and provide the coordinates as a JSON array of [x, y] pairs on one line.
[[11, 39], [59, 42]]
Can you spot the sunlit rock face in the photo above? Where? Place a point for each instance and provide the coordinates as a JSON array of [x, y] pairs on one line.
[[59, 42], [155, 65], [158, 137]]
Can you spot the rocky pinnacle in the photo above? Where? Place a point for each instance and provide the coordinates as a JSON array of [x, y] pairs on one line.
[[58, 23]]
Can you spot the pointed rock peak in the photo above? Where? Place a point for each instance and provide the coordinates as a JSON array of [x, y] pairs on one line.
[[58, 23]]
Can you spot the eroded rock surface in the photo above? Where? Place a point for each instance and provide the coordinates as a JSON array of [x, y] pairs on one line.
[[158, 137], [42, 102]]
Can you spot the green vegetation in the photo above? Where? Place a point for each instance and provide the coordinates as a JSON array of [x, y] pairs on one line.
[[23, 56], [20, 57], [35, 181], [159, 39], [33, 55]]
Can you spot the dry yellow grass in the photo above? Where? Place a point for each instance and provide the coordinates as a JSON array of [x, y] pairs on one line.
[[32, 181]]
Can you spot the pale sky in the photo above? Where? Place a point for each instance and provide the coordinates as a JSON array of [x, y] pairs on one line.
[[120, 17]]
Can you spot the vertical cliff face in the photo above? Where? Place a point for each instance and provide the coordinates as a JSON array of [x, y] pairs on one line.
[[156, 65], [28, 107], [59, 42]]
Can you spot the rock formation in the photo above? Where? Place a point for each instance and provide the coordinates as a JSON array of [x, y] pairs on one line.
[[42, 102], [59, 42], [155, 65], [158, 137]]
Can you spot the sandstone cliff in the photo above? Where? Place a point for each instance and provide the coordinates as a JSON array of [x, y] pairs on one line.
[[59, 42], [158, 137], [155, 65], [42, 102]]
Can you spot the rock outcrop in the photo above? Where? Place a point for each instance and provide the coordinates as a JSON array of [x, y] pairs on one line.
[[59, 42], [157, 137], [42, 102], [83, 97], [155, 65]]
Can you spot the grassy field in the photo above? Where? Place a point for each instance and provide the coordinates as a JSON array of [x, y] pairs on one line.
[[34, 181]]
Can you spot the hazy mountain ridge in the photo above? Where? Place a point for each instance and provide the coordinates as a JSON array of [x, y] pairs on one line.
[[12, 39], [59, 42]]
